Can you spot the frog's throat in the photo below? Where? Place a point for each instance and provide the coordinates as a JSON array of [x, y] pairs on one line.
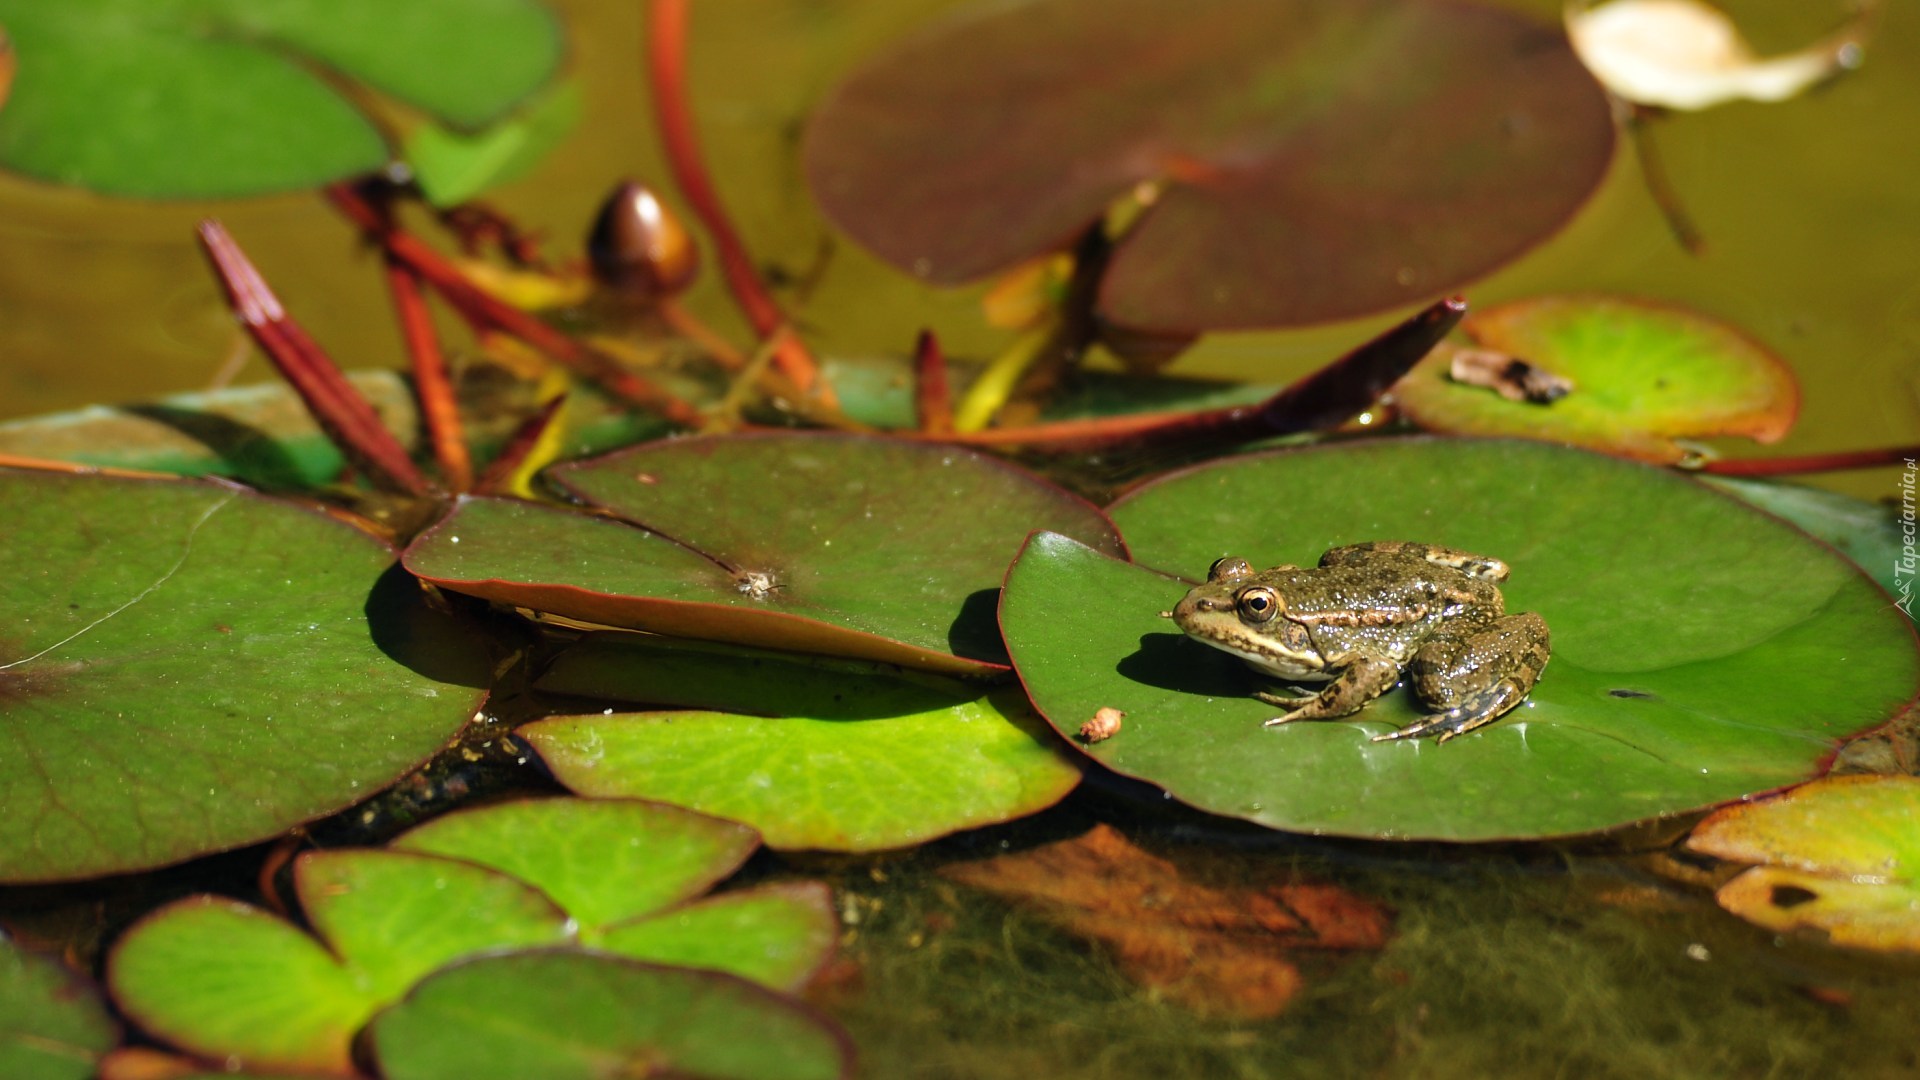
[[1278, 665]]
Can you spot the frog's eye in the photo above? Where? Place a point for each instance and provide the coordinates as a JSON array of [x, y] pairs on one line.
[[1228, 568], [1258, 604]]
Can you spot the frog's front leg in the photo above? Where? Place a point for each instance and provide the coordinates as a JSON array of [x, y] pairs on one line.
[[1476, 677], [1365, 677]]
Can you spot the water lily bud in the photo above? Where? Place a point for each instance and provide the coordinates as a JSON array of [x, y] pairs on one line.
[[638, 245]]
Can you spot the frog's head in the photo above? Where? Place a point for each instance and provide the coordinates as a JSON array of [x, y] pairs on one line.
[[1245, 613]]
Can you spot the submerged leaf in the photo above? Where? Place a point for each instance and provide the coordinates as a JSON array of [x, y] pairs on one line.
[[189, 667], [1301, 161], [52, 1024], [1839, 856], [1223, 949], [1684, 54], [1643, 375], [1670, 627]]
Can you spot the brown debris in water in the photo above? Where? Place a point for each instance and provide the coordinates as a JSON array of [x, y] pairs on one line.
[[1225, 950]]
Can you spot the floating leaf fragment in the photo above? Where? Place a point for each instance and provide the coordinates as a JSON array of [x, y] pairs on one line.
[[1312, 161], [1215, 948], [1684, 54], [1646, 374], [1838, 856]]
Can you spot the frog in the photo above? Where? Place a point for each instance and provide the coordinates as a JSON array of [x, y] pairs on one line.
[[1368, 614]]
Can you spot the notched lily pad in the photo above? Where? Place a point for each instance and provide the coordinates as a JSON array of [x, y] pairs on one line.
[[229, 981], [881, 549], [1643, 374], [176, 98], [1838, 857], [562, 1015], [1304, 161], [1671, 625], [187, 667]]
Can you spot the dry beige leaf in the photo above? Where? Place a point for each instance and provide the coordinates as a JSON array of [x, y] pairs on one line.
[[1683, 54]]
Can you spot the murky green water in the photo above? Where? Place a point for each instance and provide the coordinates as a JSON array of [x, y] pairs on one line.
[[1513, 961]]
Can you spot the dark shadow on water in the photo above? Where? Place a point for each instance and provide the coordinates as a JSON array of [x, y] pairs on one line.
[[1177, 662], [246, 453], [420, 638]]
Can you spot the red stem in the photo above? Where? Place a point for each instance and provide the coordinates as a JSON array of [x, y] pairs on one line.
[[519, 445], [1812, 463], [932, 403], [340, 410], [432, 382], [449, 282], [667, 74]]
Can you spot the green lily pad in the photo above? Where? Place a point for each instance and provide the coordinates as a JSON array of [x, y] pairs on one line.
[[452, 167], [1310, 161], [230, 981], [189, 667], [1643, 374], [1839, 856], [52, 1024], [1867, 533], [881, 549], [832, 782], [177, 98], [776, 935], [1677, 615], [559, 1015]]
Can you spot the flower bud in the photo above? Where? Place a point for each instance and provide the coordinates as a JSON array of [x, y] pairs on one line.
[[638, 246]]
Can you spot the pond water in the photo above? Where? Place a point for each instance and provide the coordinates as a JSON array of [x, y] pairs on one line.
[[1521, 960]]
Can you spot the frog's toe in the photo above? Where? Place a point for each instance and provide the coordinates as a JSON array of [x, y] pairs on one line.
[[1477, 711]]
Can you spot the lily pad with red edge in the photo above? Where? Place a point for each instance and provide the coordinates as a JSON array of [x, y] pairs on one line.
[[1313, 161], [187, 667], [875, 548], [846, 780], [52, 1024], [777, 935], [176, 98], [1675, 613], [561, 1014], [1838, 857], [1644, 374]]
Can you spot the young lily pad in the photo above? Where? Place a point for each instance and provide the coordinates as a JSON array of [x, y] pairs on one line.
[[452, 167], [776, 935], [177, 98], [1674, 625], [1307, 161], [52, 1024], [840, 781], [189, 667], [882, 549], [560, 1015], [1838, 856], [1643, 375]]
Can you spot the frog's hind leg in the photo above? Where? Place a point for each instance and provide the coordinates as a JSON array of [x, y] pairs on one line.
[[1474, 566], [1475, 678]]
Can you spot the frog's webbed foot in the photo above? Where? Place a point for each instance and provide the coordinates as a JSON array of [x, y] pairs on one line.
[[1365, 678], [1476, 711]]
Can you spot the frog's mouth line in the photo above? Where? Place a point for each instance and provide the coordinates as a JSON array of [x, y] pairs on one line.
[[1273, 664]]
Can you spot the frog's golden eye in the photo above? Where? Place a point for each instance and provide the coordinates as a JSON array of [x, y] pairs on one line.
[[1228, 568], [1258, 604]]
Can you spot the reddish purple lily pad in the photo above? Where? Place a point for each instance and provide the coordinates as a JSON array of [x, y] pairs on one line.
[[873, 548], [1315, 161]]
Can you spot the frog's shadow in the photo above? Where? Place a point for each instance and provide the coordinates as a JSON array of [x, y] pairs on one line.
[[1179, 663]]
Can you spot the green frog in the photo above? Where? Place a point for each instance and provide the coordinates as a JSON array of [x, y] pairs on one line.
[[1365, 615]]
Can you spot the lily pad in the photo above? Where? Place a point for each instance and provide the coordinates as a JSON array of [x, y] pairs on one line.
[[1866, 533], [1673, 625], [1839, 856], [177, 98], [52, 1024], [560, 1015], [882, 549], [233, 982], [188, 667], [1643, 374], [1307, 161], [839, 748], [452, 167]]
